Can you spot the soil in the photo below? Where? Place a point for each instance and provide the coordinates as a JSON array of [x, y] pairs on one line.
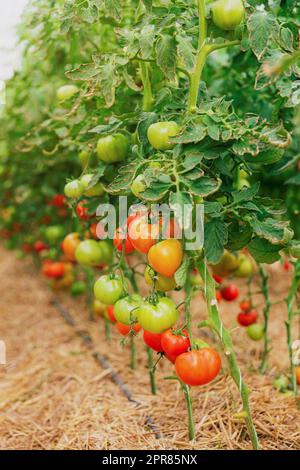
[[55, 395]]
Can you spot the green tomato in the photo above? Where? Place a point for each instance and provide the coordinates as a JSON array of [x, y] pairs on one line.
[[158, 317], [159, 134], [138, 185], [78, 288], [108, 289], [107, 251], [162, 283], [245, 267], [228, 14], [155, 165], [54, 233], [281, 383], [242, 183], [89, 253], [95, 190], [74, 189], [295, 250], [113, 148], [84, 158], [66, 92], [255, 331], [125, 309]]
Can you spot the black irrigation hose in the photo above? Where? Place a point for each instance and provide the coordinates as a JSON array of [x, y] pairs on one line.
[[104, 363]]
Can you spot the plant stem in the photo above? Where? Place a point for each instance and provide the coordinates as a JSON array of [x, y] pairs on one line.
[[265, 292], [216, 324], [132, 353], [189, 406], [90, 285], [107, 329], [151, 371], [147, 96], [289, 323]]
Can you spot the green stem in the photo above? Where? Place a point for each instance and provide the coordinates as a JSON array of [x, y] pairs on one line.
[[189, 406], [151, 371], [132, 352], [107, 330], [216, 324], [90, 280], [148, 99], [289, 323], [266, 313]]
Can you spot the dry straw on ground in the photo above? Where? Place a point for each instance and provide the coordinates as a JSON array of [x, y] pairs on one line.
[[54, 395]]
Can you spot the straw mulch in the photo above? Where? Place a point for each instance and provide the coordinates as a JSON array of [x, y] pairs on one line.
[[54, 395]]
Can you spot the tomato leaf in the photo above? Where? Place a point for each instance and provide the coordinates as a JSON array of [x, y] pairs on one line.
[[264, 252], [215, 238], [182, 272], [166, 56]]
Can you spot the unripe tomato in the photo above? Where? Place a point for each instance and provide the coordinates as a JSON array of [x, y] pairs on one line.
[[125, 309], [230, 292], [142, 234], [245, 305], [158, 317], [153, 340], [99, 308], [69, 245], [107, 251], [122, 242], [40, 246], [228, 263], [138, 186], [82, 211], [78, 288], [255, 331], [54, 233], [195, 279], [84, 158], [66, 92], [297, 373], [108, 289], [162, 283], [113, 148], [74, 189], [198, 367], [110, 311], [89, 253], [159, 134], [166, 256], [245, 267], [174, 344], [95, 190], [228, 14], [125, 329], [247, 318]]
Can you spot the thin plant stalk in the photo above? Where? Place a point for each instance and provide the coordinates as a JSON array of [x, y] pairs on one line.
[[189, 405], [266, 312], [151, 371], [132, 352]]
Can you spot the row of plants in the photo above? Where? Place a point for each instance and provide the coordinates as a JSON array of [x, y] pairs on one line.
[[184, 103]]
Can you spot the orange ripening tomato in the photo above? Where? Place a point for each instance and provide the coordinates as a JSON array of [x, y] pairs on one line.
[[245, 305], [142, 234], [166, 256], [122, 241], [297, 373], [125, 329], [69, 245], [198, 367], [53, 269]]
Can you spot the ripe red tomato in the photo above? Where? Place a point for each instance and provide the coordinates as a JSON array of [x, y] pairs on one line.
[[230, 292], [58, 200], [245, 305], [153, 340], [142, 234], [247, 318], [122, 241], [110, 313], [175, 344], [218, 279], [82, 211], [166, 256], [125, 329], [53, 269], [40, 246], [198, 367]]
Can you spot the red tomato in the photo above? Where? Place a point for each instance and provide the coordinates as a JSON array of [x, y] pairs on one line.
[[46, 220], [297, 373], [142, 234], [175, 344], [198, 367], [82, 211], [17, 227], [153, 340], [40, 246], [218, 279], [287, 266], [245, 305], [58, 200], [53, 269], [125, 329], [6, 234], [122, 241], [27, 248], [230, 292], [247, 318], [110, 313]]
